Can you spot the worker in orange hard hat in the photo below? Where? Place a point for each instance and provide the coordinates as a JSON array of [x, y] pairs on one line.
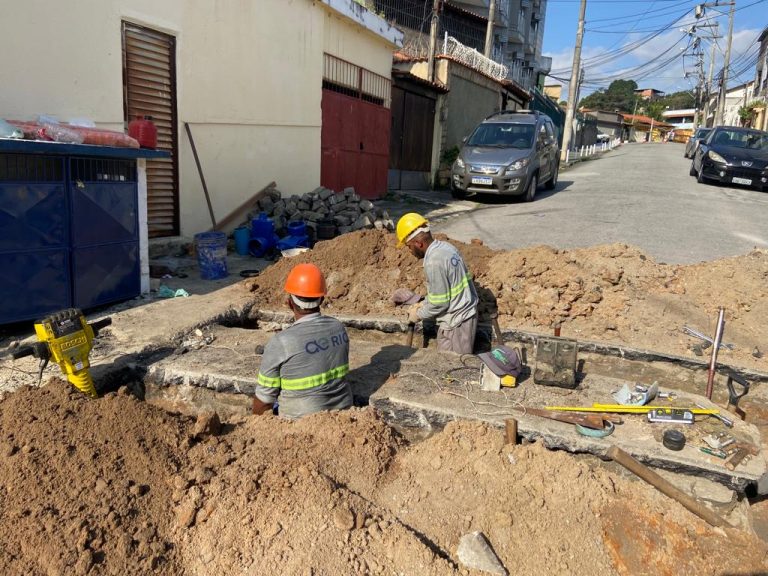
[[451, 296], [305, 365]]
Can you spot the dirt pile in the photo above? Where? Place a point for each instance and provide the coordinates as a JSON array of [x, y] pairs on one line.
[[115, 486], [85, 485], [611, 293]]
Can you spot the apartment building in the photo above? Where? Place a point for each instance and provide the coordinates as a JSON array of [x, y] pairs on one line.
[[517, 38]]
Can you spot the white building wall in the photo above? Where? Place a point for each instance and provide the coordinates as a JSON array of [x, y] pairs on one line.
[[249, 80]]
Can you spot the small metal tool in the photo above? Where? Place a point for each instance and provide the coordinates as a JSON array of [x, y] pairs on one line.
[[724, 419], [714, 452], [696, 334]]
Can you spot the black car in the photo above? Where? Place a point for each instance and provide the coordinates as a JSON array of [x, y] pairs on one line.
[[693, 141], [733, 155]]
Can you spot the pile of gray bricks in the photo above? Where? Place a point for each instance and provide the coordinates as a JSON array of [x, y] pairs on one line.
[[345, 209]]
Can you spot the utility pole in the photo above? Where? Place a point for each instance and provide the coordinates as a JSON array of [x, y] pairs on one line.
[[726, 64], [433, 39], [489, 30], [573, 86], [709, 85]]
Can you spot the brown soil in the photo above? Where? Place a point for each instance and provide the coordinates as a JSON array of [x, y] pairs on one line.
[[610, 293], [116, 486]]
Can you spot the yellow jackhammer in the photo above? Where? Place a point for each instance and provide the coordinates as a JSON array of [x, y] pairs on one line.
[[66, 338]]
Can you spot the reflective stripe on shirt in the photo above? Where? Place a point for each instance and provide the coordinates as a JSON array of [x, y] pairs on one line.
[[313, 381], [453, 293]]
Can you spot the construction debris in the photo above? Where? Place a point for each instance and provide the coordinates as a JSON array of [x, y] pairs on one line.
[[117, 486], [325, 212], [475, 552], [611, 293]]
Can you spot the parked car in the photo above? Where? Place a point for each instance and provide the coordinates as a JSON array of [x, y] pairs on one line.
[[603, 138], [734, 156], [693, 141], [508, 153]]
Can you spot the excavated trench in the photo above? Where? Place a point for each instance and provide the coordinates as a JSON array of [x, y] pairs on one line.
[[228, 350]]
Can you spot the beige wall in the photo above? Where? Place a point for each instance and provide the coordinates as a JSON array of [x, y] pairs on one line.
[[354, 44], [249, 78]]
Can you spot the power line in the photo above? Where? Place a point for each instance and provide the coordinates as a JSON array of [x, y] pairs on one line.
[[630, 17], [626, 49]]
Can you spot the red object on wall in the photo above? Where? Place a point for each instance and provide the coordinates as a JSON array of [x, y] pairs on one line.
[[143, 130], [355, 145]]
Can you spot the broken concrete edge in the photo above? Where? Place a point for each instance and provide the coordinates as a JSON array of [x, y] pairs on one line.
[[629, 353], [163, 376], [420, 416], [382, 324], [392, 325]]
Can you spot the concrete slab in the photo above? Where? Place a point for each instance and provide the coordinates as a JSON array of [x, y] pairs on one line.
[[425, 389], [433, 389]]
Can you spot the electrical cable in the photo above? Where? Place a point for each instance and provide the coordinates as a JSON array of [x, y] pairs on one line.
[[626, 49]]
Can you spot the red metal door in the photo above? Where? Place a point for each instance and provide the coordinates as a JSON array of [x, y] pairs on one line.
[[355, 144]]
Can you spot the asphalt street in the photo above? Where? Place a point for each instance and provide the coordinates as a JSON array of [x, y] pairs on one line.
[[638, 194]]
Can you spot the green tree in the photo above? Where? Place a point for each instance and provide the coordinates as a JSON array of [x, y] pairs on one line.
[[620, 95]]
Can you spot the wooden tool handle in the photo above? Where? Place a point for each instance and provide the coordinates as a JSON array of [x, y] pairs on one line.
[[618, 455], [409, 338]]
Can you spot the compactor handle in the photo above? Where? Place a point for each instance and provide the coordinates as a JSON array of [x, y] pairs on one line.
[[38, 350], [23, 352], [99, 324]]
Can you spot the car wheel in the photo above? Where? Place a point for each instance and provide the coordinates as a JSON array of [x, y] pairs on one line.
[[692, 171], [458, 194], [700, 175], [552, 182], [531, 192]]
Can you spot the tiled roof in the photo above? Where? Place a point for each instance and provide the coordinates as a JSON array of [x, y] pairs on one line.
[[639, 119]]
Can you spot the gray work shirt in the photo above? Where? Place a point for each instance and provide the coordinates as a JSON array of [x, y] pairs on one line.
[[451, 296], [304, 367]]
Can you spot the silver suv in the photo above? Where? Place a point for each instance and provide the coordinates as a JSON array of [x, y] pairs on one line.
[[510, 153]]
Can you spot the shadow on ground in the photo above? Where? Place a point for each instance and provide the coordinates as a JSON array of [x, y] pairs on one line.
[[496, 199], [367, 379]]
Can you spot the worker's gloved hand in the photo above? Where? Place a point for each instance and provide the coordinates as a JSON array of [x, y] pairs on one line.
[[413, 314], [258, 408]]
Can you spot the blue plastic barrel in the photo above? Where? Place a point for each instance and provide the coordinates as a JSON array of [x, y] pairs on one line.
[[212, 255], [297, 228], [242, 235]]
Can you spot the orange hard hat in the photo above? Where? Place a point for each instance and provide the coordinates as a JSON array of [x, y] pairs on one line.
[[305, 280]]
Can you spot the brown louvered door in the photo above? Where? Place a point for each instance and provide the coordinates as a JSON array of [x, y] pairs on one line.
[[149, 89]]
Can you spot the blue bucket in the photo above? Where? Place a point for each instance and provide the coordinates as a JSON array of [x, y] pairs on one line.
[[212, 255], [242, 235]]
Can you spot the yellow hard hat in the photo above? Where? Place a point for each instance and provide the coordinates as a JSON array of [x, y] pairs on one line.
[[407, 224]]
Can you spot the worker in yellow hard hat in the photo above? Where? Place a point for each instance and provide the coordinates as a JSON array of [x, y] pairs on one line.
[[305, 365], [451, 296]]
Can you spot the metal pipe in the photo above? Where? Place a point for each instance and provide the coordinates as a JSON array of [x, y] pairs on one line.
[[715, 348], [665, 487]]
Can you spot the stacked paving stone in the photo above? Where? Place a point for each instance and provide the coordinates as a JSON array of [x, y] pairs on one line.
[[346, 210]]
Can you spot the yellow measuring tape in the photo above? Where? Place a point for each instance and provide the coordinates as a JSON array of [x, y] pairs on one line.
[[622, 409]]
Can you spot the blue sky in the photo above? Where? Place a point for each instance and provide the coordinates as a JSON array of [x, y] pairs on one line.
[[615, 24]]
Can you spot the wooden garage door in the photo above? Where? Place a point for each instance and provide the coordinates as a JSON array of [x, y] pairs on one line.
[[356, 126], [413, 123], [149, 89]]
